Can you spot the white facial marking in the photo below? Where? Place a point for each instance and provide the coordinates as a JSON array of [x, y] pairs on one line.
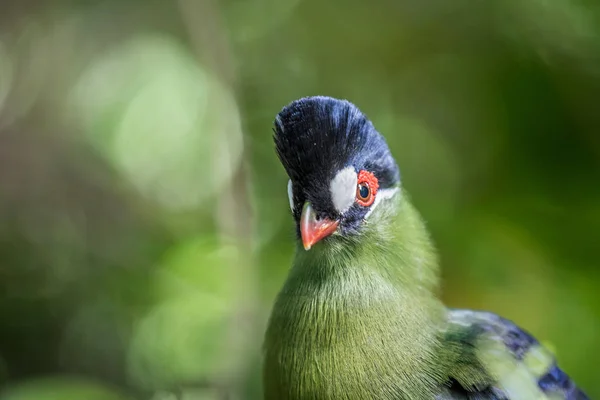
[[382, 194], [291, 195], [343, 189]]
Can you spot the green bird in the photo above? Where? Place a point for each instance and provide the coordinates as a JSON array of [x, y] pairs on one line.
[[358, 316]]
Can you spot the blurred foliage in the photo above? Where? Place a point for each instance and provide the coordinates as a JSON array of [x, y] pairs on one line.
[[145, 228]]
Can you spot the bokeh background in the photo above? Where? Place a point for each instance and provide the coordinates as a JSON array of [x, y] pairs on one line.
[[144, 227]]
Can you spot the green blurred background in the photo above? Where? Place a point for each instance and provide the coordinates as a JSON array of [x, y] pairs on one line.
[[144, 223]]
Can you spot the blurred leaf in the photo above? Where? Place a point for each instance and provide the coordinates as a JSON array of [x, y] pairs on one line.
[[198, 265], [162, 119], [181, 340]]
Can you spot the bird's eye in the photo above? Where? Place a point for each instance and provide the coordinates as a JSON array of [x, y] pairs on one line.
[[363, 192], [366, 188]]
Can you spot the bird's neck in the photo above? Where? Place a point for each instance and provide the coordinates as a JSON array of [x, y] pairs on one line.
[[361, 313]]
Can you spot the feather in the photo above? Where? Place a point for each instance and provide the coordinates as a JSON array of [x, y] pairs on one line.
[[519, 366]]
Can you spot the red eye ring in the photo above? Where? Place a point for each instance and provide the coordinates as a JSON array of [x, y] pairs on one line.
[[366, 188]]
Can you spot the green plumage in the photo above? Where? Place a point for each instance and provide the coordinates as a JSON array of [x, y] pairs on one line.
[[355, 317], [359, 318]]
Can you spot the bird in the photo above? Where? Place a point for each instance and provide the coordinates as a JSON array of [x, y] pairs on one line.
[[359, 315]]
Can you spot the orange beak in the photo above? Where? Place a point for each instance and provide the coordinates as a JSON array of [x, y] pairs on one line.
[[313, 230]]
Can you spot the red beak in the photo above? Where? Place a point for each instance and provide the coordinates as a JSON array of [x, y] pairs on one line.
[[313, 230]]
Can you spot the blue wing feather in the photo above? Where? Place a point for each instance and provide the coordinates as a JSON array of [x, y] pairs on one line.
[[518, 343]]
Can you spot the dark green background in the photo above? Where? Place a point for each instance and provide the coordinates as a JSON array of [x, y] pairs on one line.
[[144, 223]]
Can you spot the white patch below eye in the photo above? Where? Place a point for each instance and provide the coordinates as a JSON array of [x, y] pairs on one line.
[[382, 194], [291, 195], [343, 189]]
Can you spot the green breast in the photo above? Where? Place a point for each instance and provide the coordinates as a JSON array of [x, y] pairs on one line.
[[350, 336], [357, 319]]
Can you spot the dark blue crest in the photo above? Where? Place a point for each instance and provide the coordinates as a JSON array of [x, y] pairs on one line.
[[315, 137]]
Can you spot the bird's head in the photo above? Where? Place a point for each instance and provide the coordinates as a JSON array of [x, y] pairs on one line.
[[339, 167]]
